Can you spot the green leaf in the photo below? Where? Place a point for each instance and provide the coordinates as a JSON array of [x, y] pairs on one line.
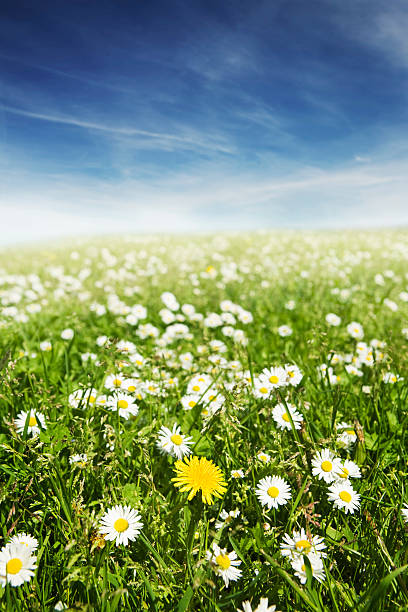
[[185, 600]]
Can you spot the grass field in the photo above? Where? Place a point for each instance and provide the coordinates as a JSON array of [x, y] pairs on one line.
[[277, 359]]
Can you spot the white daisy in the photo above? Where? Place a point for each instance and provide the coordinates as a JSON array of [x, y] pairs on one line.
[[67, 334], [81, 398], [79, 460], [348, 469], [152, 388], [240, 337], [26, 539], [262, 388], [273, 491], [344, 496], [17, 564], [275, 376], [137, 359], [284, 331], [45, 346], [353, 370], [224, 564], [404, 512], [333, 319], [171, 382], [225, 518], [293, 374], [102, 340], [263, 606], [237, 474], [299, 566], [130, 385], [124, 346], [300, 544], [174, 442], [124, 404], [346, 436], [263, 457], [355, 330], [35, 422], [213, 400], [281, 416], [190, 401], [120, 524], [114, 382], [391, 378], [326, 465]]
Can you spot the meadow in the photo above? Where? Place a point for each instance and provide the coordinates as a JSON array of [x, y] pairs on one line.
[[205, 423]]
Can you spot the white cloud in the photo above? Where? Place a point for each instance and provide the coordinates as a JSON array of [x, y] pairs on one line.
[[355, 196], [361, 159]]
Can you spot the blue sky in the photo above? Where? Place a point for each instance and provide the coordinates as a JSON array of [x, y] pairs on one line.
[[201, 115]]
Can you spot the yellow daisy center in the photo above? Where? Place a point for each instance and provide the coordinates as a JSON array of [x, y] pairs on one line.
[[120, 525], [122, 403], [196, 388], [191, 403], [14, 566], [350, 432], [327, 466], [273, 492], [132, 388], [274, 380], [344, 473], [291, 374], [176, 439], [303, 568], [117, 382], [303, 544], [223, 561], [345, 496], [285, 417], [200, 474], [32, 422], [92, 399], [263, 390]]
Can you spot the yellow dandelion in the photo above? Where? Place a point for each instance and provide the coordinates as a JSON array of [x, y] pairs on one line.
[[198, 473]]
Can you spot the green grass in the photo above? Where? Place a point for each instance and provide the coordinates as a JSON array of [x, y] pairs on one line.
[[60, 504]]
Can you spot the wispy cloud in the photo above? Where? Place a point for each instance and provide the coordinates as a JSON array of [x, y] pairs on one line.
[[161, 139], [377, 25]]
